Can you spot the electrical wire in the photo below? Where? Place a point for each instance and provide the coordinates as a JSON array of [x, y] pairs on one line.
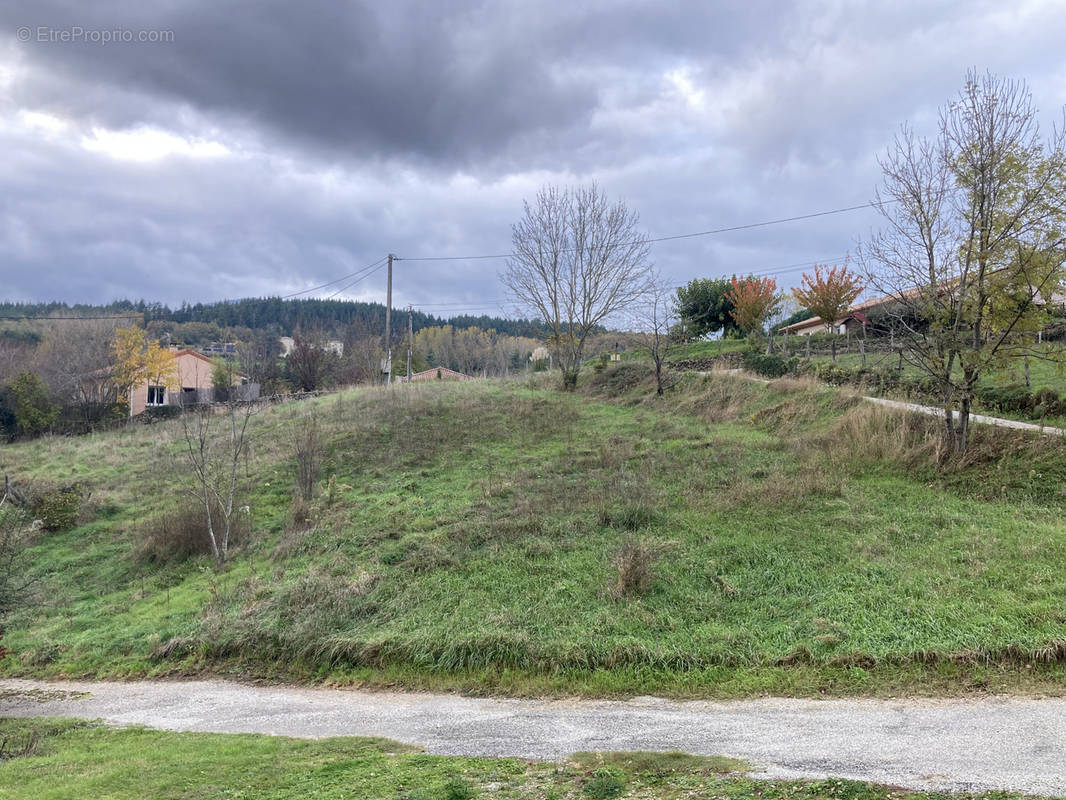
[[348, 286], [674, 237], [330, 283]]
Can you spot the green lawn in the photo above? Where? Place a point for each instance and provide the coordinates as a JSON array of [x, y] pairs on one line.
[[67, 759], [472, 536]]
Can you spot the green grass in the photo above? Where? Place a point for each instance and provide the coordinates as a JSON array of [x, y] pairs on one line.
[[1042, 373], [65, 759], [801, 545]]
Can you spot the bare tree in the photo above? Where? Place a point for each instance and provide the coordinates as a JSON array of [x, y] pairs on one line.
[[311, 361], [15, 531], [578, 259], [307, 447], [258, 359], [972, 249], [216, 439], [653, 321]]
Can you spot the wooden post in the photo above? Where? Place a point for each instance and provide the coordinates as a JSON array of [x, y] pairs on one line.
[[807, 347], [833, 342], [1027, 384], [410, 338], [387, 369], [862, 351]]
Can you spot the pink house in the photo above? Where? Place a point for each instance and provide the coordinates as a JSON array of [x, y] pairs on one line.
[[194, 384]]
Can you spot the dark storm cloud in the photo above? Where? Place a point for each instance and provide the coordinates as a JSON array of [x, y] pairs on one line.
[[443, 83], [307, 139]]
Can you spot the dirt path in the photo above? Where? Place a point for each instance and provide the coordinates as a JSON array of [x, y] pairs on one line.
[[938, 745]]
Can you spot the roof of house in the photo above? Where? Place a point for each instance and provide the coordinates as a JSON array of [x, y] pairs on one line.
[[854, 311], [188, 351]]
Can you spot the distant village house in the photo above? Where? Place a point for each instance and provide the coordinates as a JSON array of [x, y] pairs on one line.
[[194, 385]]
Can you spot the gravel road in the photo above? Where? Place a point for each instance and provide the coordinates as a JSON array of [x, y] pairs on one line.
[[938, 745]]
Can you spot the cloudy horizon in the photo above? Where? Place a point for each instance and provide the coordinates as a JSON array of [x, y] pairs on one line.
[[179, 152]]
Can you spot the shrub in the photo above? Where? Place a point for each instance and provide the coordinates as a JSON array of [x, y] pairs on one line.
[[604, 784], [633, 569], [56, 506], [307, 447], [181, 533], [769, 366], [14, 539], [457, 789], [159, 413], [34, 412], [1047, 403]]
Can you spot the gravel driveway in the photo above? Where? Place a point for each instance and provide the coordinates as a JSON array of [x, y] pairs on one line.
[[938, 745]]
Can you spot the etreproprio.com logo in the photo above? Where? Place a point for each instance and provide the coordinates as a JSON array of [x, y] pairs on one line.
[[76, 34]]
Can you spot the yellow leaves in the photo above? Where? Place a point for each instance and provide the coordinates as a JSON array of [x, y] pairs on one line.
[[139, 360]]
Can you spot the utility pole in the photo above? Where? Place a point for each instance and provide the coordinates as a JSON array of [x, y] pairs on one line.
[[387, 366], [410, 338]]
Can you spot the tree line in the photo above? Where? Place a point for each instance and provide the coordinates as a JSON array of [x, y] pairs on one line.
[[282, 317]]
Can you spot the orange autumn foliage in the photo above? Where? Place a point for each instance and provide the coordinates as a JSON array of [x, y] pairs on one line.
[[829, 293]]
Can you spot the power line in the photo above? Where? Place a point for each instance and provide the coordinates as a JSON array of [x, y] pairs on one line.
[[330, 283], [693, 235], [346, 287], [474, 304]]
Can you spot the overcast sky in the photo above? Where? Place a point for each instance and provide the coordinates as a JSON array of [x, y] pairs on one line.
[[260, 147]]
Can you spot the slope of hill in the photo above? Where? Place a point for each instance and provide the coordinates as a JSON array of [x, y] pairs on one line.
[[726, 540]]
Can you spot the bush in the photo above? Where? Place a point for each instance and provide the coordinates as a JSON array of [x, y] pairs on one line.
[[769, 366], [604, 784], [1047, 403], [831, 373], [181, 533], [14, 539], [159, 413], [56, 506], [33, 410], [458, 789], [307, 446]]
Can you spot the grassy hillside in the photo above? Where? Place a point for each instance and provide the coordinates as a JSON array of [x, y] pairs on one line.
[[67, 758], [728, 539]]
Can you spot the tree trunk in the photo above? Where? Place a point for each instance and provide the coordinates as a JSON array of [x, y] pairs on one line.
[[957, 431]]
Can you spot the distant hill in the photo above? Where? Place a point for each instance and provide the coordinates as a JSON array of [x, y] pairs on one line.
[[278, 316]]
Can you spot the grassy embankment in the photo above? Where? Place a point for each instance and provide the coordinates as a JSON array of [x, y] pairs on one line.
[[473, 537], [1043, 374], [67, 758]]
